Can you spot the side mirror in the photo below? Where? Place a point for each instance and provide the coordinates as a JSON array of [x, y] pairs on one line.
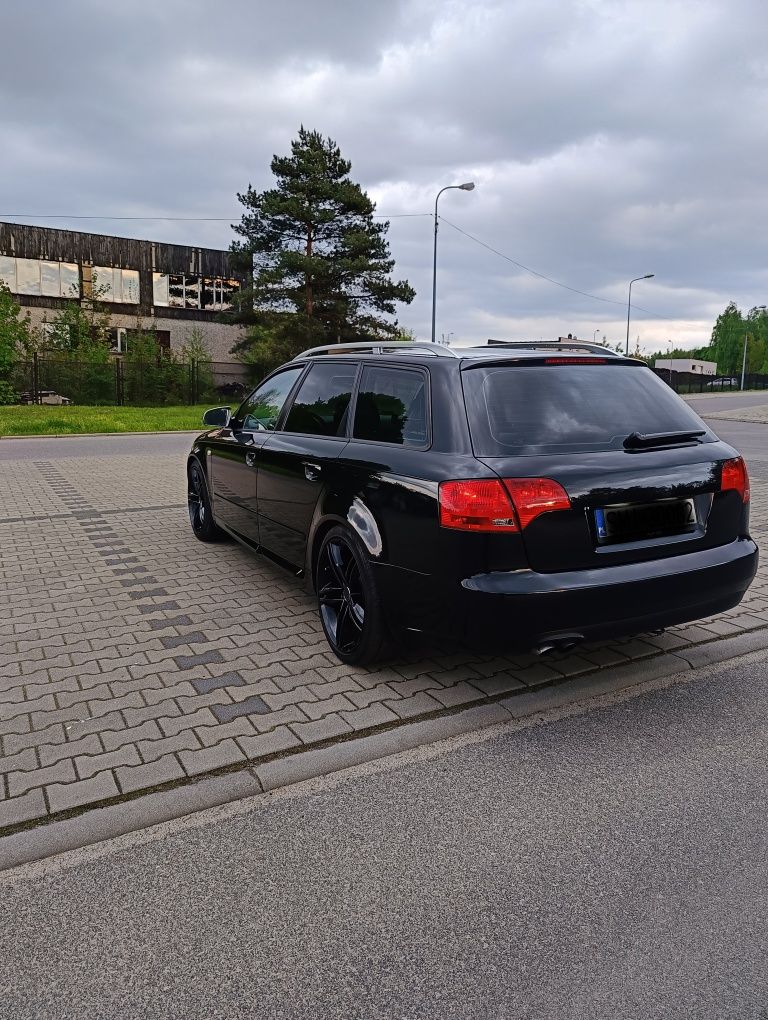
[[217, 417]]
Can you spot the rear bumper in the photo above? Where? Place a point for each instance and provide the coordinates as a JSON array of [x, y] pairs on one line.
[[522, 608], [610, 601]]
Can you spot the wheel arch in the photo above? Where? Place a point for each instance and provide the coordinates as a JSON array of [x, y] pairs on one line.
[[197, 455], [319, 531], [358, 518]]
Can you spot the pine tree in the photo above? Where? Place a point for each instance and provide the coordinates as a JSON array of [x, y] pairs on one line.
[[321, 263]]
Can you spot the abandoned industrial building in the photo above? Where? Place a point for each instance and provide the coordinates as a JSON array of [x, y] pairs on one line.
[[170, 288]]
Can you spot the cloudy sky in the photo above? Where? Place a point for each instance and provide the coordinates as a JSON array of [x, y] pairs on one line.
[[607, 139]]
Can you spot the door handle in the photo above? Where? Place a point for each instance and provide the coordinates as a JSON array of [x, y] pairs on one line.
[[312, 471], [250, 459]]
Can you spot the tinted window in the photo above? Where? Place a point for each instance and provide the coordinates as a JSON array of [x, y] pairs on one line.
[[262, 409], [392, 406], [569, 408], [321, 404]]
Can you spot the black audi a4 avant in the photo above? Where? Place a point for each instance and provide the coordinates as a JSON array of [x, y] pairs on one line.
[[527, 495]]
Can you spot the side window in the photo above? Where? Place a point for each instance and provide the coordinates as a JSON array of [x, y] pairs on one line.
[[392, 406], [322, 402], [262, 409]]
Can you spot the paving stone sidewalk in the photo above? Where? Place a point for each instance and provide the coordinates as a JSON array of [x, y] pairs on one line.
[[133, 656]]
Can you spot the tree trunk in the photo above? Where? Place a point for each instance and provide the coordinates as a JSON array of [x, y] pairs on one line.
[[308, 275]]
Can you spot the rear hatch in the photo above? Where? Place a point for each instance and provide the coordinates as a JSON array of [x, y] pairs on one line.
[[642, 472]]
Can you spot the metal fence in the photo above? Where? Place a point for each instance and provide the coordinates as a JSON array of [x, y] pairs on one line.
[[693, 382], [162, 382], [157, 382]]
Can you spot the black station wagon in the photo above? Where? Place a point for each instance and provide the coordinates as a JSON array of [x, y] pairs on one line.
[[526, 495]]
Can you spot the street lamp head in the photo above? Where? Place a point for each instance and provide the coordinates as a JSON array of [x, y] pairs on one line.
[[648, 276], [469, 186]]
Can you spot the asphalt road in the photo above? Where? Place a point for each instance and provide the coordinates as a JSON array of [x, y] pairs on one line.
[[608, 865], [17, 448], [751, 440]]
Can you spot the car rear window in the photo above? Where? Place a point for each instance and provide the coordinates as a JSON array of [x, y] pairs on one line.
[[534, 409]]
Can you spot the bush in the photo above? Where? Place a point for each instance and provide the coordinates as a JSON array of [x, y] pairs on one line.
[[151, 375], [14, 339]]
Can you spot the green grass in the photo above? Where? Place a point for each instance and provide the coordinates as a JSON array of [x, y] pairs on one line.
[[35, 420]]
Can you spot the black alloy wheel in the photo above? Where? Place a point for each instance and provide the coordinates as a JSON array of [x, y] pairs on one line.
[[200, 514], [350, 611]]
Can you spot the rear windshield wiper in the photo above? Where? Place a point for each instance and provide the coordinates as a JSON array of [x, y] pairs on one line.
[[638, 441]]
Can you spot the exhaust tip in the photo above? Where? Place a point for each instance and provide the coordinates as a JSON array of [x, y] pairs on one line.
[[543, 649], [558, 643]]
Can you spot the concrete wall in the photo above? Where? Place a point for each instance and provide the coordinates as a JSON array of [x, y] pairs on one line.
[[687, 365], [219, 336]]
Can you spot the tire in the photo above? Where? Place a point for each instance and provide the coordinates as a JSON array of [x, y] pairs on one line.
[[200, 513], [348, 600]]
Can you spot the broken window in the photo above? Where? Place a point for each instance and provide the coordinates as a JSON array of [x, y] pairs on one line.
[[186, 290]]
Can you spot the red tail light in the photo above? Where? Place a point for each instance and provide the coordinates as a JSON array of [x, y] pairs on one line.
[[534, 496], [735, 476], [478, 504], [485, 504], [575, 361]]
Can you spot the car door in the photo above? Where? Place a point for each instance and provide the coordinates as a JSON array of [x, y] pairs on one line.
[[234, 453], [299, 460]]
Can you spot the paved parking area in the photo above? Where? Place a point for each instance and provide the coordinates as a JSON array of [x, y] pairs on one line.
[[133, 656]]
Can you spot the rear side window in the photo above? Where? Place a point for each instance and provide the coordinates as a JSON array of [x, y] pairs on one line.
[[392, 406], [531, 409], [322, 401]]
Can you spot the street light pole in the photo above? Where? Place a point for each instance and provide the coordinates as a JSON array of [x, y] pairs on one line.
[[744, 360], [647, 276], [469, 186], [594, 334]]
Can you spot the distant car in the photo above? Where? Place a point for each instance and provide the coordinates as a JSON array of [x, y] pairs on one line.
[[533, 495], [44, 397], [235, 390], [722, 383]]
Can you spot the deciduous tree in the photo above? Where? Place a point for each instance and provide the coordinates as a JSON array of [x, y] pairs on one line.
[[14, 340]]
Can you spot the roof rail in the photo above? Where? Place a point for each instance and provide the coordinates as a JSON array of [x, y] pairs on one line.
[[379, 347], [554, 345]]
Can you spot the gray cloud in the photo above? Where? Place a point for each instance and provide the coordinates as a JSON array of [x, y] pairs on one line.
[[608, 138]]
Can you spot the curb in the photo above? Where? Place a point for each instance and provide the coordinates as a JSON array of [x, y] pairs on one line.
[[118, 816], [87, 435], [722, 416], [724, 392]]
